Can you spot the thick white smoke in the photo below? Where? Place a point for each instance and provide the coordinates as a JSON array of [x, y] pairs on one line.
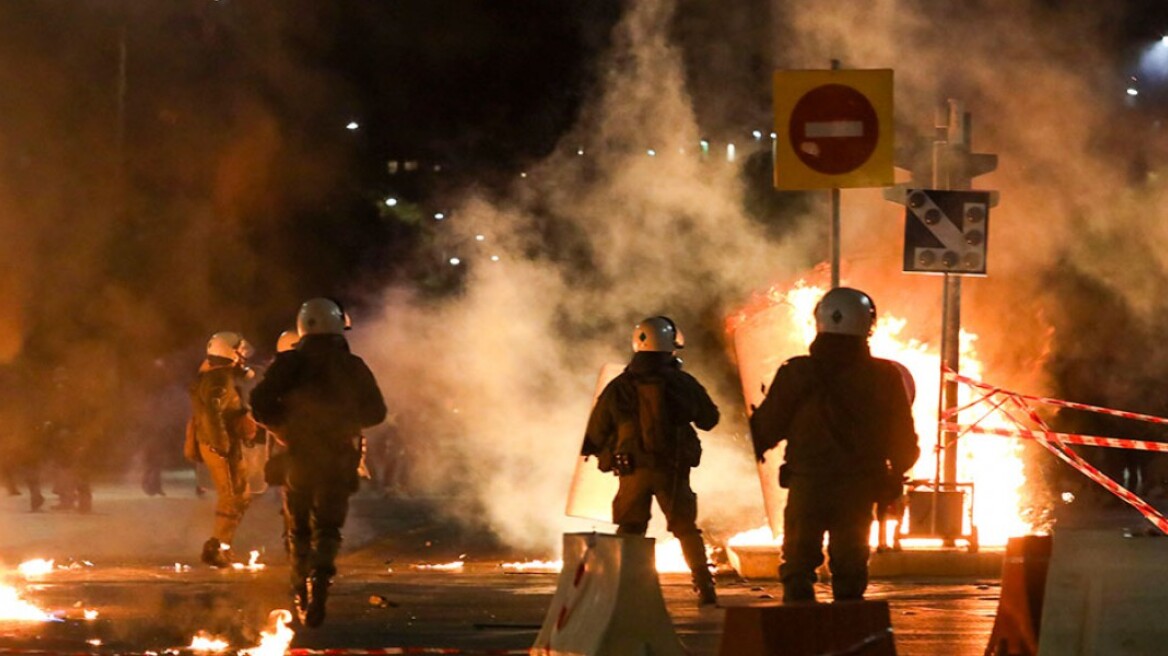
[[516, 357], [500, 379]]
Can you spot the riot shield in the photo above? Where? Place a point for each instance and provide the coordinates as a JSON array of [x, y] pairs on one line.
[[590, 496]]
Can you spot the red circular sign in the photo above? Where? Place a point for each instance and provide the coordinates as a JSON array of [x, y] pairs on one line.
[[833, 129]]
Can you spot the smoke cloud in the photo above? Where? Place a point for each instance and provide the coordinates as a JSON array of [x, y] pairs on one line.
[[603, 232]]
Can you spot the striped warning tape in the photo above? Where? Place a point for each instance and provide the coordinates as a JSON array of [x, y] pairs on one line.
[[382, 651], [1054, 441], [952, 375], [1068, 438]]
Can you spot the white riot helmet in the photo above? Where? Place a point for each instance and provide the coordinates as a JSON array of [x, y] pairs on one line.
[[845, 311], [229, 346], [322, 316], [287, 341], [657, 334]]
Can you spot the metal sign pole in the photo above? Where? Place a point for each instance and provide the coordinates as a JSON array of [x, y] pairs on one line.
[[954, 126], [835, 220]]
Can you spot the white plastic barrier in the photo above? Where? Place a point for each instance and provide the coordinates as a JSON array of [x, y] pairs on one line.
[[608, 601], [1105, 595]]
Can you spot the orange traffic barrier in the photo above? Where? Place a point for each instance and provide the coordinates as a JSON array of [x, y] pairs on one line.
[[1019, 617], [808, 629]]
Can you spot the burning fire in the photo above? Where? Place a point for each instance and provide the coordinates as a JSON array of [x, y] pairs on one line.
[[534, 567], [272, 643], [205, 642], [993, 465], [253, 563], [35, 567], [15, 609], [455, 566], [276, 641], [667, 553]]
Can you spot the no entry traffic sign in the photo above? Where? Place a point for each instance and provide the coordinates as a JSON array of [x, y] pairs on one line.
[[834, 129]]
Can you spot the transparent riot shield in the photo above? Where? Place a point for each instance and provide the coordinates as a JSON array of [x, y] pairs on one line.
[[762, 342], [590, 496]]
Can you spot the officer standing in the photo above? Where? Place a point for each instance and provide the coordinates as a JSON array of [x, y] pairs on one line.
[[220, 428], [317, 398], [850, 439], [642, 429]]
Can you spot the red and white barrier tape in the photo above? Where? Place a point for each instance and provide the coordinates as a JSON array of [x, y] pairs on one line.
[[381, 651], [1059, 403], [1068, 438], [1055, 442]]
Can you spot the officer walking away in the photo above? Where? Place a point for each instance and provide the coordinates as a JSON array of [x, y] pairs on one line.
[[220, 428], [642, 429], [318, 398], [850, 439]]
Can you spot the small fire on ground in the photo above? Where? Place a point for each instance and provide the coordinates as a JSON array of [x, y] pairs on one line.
[[274, 641], [253, 563], [667, 553], [15, 609]]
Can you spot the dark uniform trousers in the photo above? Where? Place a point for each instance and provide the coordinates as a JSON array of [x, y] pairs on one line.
[[632, 506], [841, 506], [316, 504]]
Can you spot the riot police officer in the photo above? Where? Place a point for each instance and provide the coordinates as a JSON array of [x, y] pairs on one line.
[[848, 426], [220, 428], [642, 429], [317, 398]]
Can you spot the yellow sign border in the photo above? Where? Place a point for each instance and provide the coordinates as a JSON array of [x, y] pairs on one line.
[[875, 85]]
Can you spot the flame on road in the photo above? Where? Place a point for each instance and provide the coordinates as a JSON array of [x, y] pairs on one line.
[[35, 567], [534, 567], [273, 642], [253, 563], [276, 641], [667, 553], [15, 609], [206, 642], [455, 566]]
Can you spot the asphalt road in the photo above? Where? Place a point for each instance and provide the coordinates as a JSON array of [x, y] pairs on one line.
[[134, 561]]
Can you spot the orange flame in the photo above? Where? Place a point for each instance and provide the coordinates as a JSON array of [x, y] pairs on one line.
[[14, 608], [993, 465]]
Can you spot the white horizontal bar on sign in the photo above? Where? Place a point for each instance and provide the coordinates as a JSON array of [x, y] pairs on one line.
[[838, 129]]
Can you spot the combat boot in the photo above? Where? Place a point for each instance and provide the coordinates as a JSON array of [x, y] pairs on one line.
[[214, 554], [703, 583], [694, 550], [318, 587]]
